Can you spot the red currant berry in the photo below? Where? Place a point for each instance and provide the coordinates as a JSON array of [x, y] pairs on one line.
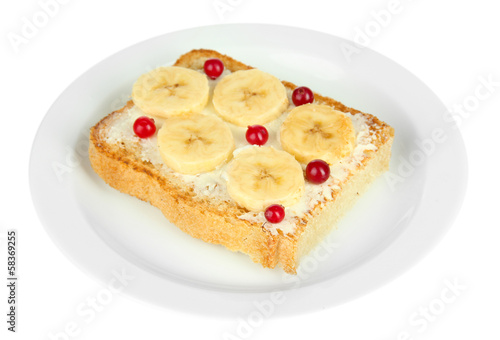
[[144, 127], [317, 171], [257, 135], [302, 95], [213, 68], [275, 213]]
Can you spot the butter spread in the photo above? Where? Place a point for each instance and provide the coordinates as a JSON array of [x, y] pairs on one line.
[[213, 183]]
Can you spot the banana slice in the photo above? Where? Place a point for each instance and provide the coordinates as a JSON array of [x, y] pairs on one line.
[[194, 144], [171, 91], [313, 131], [261, 176], [250, 97]]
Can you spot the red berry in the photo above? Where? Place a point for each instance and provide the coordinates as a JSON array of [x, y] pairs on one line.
[[302, 95], [257, 135], [317, 171], [213, 68], [275, 213], [144, 127]]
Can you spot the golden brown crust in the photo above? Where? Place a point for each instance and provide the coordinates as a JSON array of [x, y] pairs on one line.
[[213, 222], [196, 58]]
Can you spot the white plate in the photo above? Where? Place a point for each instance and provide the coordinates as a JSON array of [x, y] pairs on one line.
[[389, 229]]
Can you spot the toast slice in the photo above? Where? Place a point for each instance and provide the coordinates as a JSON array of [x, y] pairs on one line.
[[204, 211]]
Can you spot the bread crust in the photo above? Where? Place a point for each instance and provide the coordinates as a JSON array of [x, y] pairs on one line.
[[218, 222]]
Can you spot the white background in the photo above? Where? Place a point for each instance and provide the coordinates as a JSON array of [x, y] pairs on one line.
[[447, 44]]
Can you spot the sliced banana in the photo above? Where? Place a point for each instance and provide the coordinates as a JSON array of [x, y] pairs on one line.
[[313, 131], [250, 97], [171, 91], [195, 143], [261, 176]]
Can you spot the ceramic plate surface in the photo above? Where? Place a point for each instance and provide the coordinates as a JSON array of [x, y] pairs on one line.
[[402, 216]]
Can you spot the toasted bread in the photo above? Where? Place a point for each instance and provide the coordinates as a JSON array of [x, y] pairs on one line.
[[122, 164]]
